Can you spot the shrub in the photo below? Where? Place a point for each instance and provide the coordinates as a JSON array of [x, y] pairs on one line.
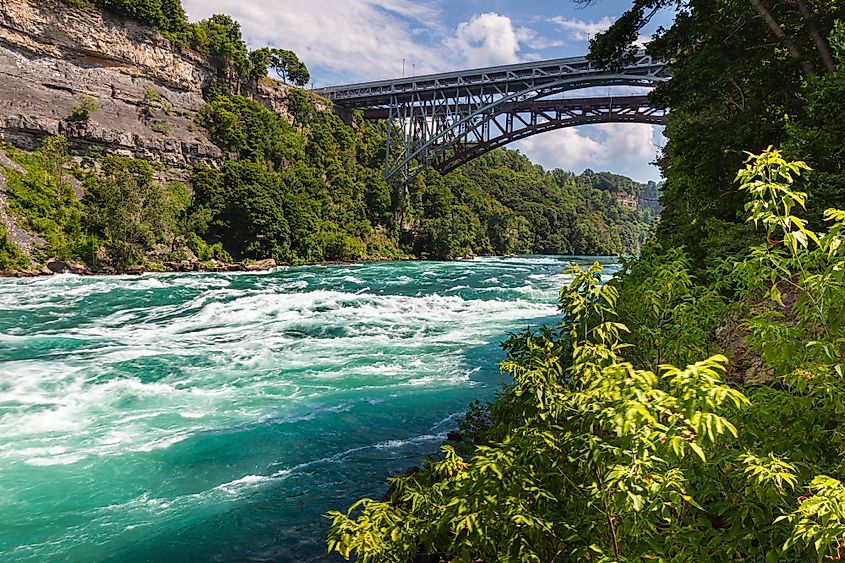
[[11, 257], [82, 112]]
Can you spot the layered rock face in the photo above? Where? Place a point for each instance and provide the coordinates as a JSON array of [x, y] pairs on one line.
[[146, 92], [55, 57]]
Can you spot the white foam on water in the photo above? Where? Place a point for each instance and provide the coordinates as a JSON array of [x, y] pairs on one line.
[[54, 460], [238, 485], [394, 444], [161, 444], [193, 414]]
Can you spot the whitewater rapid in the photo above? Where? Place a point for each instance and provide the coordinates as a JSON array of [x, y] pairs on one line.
[[216, 416]]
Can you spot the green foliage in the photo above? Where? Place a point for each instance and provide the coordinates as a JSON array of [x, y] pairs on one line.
[[204, 251], [245, 127], [328, 187], [288, 66], [43, 201], [128, 210], [11, 257], [83, 111], [259, 60], [601, 451], [675, 319], [817, 135], [220, 36], [735, 85], [168, 16]]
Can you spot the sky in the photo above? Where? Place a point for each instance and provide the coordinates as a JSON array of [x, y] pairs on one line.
[[343, 41]]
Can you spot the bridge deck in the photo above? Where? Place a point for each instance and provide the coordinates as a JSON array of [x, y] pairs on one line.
[[499, 79]]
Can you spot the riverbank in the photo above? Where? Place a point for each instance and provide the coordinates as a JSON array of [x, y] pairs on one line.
[[56, 266]]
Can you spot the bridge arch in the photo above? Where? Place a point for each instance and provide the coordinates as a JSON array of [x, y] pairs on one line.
[[445, 120]]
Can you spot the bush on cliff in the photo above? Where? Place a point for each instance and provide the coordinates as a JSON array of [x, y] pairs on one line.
[[128, 209], [43, 200]]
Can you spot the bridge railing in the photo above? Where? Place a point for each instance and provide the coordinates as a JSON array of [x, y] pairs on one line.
[[502, 79]]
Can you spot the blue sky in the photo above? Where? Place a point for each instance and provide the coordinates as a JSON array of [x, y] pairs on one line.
[[345, 41]]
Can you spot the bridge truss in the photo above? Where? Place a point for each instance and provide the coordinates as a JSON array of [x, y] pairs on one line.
[[446, 120]]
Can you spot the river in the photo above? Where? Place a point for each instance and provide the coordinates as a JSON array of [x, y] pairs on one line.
[[186, 417]]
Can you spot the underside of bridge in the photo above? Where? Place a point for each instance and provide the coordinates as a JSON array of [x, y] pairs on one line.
[[446, 120]]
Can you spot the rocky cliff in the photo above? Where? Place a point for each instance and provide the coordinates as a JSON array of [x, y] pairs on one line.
[[147, 92]]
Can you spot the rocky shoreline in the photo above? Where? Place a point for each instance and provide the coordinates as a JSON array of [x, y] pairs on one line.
[[55, 266]]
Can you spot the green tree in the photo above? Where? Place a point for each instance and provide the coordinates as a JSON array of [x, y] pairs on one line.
[[220, 37], [737, 74], [129, 209], [288, 66], [259, 61], [55, 156]]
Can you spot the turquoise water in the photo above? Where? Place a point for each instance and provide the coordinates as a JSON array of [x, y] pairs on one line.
[[216, 417]]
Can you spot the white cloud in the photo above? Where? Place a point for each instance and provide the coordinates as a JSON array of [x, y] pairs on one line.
[[364, 39], [486, 40], [642, 41], [368, 39], [624, 148], [580, 30]]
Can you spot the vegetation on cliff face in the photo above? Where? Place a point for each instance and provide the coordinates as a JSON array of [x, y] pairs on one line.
[[311, 192], [45, 203], [11, 258], [602, 450]]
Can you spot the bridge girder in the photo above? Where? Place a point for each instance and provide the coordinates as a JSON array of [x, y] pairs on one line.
[[446, 120], [532, 118]]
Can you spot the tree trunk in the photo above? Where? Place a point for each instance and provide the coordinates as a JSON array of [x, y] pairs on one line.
[[818, 39], [767, 16]]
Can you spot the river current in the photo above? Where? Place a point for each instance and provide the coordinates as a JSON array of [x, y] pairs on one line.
[[185, 417]]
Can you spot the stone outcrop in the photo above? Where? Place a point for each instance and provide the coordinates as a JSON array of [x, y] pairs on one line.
[[146, 91], [629, 201]]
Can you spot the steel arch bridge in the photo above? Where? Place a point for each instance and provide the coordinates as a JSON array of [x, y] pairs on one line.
[[445, 120]]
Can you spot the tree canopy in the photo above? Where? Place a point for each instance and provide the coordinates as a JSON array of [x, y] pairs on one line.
[[746, 74]]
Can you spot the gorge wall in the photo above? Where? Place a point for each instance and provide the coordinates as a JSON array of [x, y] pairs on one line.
[[147, 91]]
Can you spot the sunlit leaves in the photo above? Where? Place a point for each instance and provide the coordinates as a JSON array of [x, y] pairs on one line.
[[589, 457], [603, 449]]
